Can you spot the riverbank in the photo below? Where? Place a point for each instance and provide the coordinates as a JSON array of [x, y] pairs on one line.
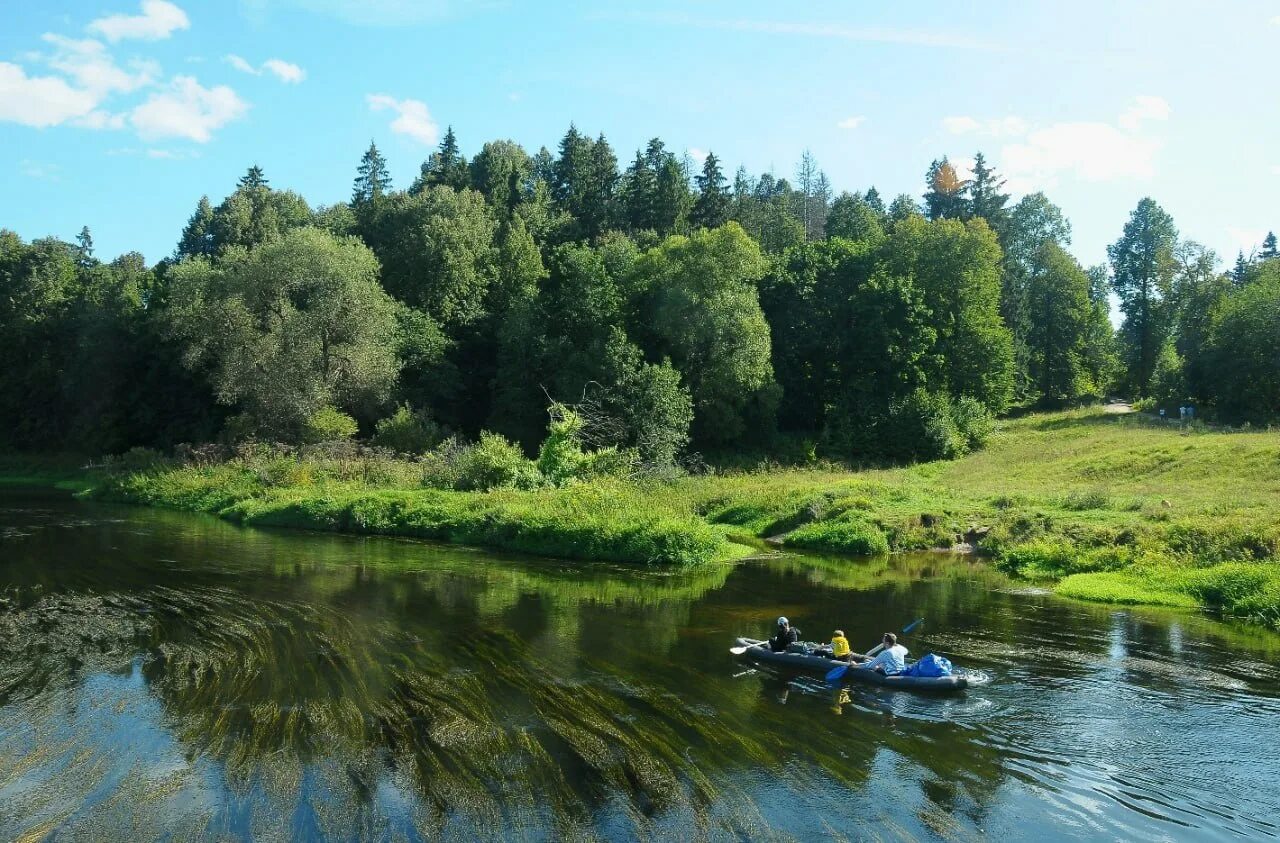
[[1100, 506]]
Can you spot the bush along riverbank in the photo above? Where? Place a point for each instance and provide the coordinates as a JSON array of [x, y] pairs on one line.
[[1099, 506]]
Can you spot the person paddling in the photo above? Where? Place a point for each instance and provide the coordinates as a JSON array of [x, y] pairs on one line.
[[891, 660], [784, 636]]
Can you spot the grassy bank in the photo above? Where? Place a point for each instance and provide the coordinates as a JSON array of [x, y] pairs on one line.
[[1100, 506]]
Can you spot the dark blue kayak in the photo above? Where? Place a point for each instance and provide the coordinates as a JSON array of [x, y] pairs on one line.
[[758, 651]]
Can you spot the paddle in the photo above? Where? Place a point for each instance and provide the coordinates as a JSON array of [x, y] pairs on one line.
[[737, 651], [836, 673]]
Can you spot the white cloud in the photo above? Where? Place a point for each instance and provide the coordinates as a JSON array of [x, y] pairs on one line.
[[285, 71], [187, 110], [850, 122], [170, 155], [1275, 169], [38, 170], [279, 68], [699, 155], [1037, 158], [999, 127], [99, 119], [1089, 151], [1144, 108], [1275, 21], [88, 64], [240, 64], [40, 101], [159, 19], [412, 117]]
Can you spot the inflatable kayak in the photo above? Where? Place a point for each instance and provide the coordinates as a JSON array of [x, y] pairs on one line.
[[820, 665]]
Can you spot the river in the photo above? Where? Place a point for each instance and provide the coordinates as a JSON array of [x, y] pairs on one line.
[[165, 675]]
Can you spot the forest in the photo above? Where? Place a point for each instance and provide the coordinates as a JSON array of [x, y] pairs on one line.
[[650, 311]]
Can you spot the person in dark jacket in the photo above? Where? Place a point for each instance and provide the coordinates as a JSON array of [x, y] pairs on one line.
[[783, 636]]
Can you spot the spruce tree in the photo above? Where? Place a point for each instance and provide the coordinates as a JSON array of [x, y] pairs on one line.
[[197, 236], [372, 179], [985, 198], [639, 189], [711, 209], [1240, 274], [84, 249], [873, 200], [445, 167], [253, 177], [1268, 247]]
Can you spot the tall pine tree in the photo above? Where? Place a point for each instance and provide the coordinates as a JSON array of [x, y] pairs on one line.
[[253, 177], [445, 166], [1268, 247], [985, 198], [711, 209], [372, 179]]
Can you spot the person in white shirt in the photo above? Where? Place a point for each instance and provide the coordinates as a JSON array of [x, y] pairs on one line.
[[892, 658]]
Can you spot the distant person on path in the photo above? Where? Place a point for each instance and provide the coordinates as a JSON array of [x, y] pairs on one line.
[[784, 636], [892, 659]]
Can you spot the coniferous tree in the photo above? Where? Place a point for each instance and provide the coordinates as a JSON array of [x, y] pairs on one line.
[[1268, 247], [197, 236], [711, 210], [445, 166], [985, 198], [639, 193], [673, 198], [253, 177], [873, 200], [807, 176], [84, 249], [945, 197], [1240, 273], [373, 181]]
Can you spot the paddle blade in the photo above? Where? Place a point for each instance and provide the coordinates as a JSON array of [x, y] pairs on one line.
[[836, 673], [737, 651], [912, 626]]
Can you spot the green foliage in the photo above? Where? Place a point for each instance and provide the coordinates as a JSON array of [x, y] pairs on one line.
[[493, 463], [704, 314], [329, 424], [407, 431], [845, 535], [1244, 347], [1142, 269], [289, 328]]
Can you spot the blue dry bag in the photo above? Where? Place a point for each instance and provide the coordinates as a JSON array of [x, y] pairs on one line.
[[930, 665]]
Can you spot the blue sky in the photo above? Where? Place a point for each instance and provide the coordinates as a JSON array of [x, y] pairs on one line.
[[118, 115]]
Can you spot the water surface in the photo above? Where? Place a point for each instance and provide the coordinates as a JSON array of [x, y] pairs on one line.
[[167, 675]]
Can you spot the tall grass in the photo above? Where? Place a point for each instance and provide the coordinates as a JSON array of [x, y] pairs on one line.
[[1116, 509]]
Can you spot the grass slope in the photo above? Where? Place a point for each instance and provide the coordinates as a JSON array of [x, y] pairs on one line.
[[1108, 507]]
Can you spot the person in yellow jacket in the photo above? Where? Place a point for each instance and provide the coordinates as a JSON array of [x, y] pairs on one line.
[[840, 646]]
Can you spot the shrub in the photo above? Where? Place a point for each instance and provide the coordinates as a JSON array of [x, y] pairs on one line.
[[494, 462], [407, 431], [845, 535], [973, 420], [328, 424]]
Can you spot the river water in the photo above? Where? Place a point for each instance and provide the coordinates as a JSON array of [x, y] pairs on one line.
[[168, 675]]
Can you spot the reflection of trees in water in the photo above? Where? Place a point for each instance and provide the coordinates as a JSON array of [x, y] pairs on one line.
[[467, 697]]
